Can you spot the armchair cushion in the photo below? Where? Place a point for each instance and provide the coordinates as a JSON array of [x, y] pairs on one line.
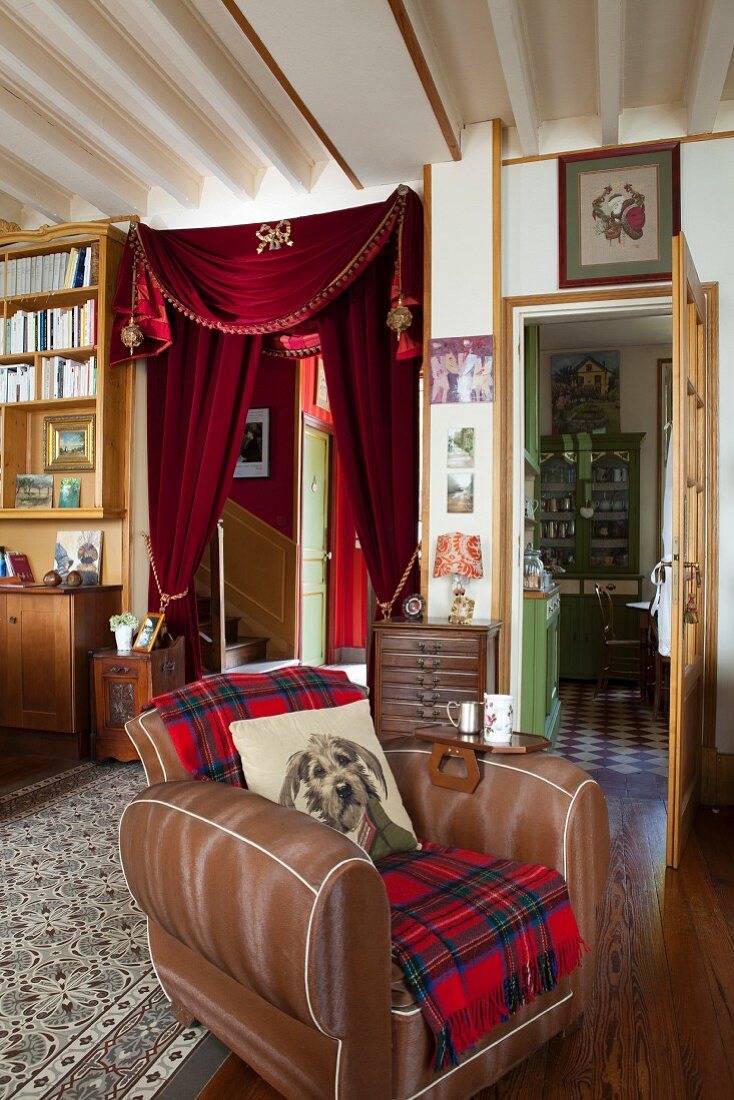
[[329, 764], [198, 716]]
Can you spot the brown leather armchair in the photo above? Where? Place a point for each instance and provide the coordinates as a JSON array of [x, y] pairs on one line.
[[274, 930]]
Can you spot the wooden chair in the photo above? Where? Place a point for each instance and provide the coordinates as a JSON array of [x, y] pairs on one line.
[[661, 666], [620, 657]]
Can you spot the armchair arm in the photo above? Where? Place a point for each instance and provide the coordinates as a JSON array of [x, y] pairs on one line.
[[288, 908]]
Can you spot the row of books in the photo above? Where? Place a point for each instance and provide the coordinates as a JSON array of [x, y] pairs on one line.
[[68, 377], [17, 383], [54, 271], [16, 565], [63, 327]]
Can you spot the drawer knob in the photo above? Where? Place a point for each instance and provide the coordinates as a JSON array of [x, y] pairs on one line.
[[12, 619], [119, 668]]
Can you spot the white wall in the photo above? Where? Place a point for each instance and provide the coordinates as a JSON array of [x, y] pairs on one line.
[[462, 305], [530, 266]]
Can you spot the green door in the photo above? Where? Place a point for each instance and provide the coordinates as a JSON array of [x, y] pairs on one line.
[[314, 545]]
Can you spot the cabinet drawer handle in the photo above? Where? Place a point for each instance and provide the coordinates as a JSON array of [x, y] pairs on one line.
[[421, 679], [12, 619], [437, 662], [421, 662], [436, 712], [611, 587], [420, 712], [435, 679], [437, 647], [119, 668], [420, 696], [422, 646], [169, 666]]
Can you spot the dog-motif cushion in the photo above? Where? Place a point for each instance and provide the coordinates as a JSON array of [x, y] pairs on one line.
[[329, 764]]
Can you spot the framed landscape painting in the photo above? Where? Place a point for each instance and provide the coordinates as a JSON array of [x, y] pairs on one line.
[[585, 393], [618, 212]]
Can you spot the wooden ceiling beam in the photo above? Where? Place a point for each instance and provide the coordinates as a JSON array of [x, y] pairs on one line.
[[512, 47], [110, 57], [418, 43], [34, 189], [610, 66], [709, 65], [37, 71], [228, 92]]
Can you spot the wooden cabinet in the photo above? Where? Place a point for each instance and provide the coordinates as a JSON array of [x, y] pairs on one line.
[[124, 684], [55, 328], [540, 704], [45, 638], [420, 667]]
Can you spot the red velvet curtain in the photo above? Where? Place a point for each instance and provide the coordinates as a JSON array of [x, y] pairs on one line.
[[204, 298], [198, 397]]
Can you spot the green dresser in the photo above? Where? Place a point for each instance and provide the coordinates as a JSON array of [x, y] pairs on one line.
[[540, 705]]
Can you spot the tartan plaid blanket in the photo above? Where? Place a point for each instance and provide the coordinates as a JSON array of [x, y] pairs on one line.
[[476, 938], [198, 716]]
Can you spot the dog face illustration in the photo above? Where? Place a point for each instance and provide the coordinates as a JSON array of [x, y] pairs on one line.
[[338, 777]]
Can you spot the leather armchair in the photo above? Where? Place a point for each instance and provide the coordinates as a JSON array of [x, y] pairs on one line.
[[274, 930]]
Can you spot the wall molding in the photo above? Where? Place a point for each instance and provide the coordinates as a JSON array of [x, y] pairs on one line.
[[717, 777]]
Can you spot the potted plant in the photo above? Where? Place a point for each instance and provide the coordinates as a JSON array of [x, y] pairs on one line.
[[123, 626]]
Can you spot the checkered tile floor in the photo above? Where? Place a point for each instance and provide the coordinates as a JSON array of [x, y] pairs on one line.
[[615, 739]]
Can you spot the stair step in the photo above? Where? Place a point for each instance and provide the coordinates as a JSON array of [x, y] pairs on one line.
[[231, 627], [243, 651]]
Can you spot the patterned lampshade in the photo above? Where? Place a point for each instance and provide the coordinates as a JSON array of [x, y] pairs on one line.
[[458, 554]]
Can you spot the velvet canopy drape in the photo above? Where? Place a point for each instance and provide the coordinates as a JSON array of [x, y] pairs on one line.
[[203, 299]]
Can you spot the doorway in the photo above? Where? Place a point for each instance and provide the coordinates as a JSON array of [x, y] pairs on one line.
[[315, 551]]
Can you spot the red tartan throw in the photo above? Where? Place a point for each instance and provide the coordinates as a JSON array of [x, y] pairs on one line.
[[477, 938], [198, 716]]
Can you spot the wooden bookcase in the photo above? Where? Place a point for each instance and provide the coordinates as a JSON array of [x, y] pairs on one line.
[[105, 490]]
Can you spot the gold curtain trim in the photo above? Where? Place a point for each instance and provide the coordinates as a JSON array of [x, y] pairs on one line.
[[385, 228]]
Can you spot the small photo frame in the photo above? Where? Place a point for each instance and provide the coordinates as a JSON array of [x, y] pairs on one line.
[[149, 630], [321, 398], [68, 442], [460, 449], [69, 492], [460, 493], [254, 456], [34, 491]]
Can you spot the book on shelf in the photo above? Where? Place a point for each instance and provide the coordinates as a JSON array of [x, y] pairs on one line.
[[17, 383], [63, 270], [49, 329], [18, 565]]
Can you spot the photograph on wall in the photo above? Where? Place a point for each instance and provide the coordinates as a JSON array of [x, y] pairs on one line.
[[585, 392], [618, 212], [460, 449], [254, 457], [34, 491], [81, 551], [460, 493], [321, 397], [462, 370]]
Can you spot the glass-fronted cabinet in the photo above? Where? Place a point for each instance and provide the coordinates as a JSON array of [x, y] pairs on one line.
[[589, 516]]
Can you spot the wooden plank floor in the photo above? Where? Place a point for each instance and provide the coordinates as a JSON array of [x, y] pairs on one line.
[[20, 770], [660, 1025]]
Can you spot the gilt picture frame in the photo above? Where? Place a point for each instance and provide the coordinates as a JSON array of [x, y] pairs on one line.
[[68, 442], [618, 210]]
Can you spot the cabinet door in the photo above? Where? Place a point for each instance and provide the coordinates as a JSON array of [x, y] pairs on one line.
[[38, 649], [558, 516], [124, 690]]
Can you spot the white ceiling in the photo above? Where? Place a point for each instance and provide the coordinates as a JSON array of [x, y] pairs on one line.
[[104, 101]]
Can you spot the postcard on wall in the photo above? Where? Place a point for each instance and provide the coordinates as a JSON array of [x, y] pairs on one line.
[[462, 369], [79, 550], [585, 392], [460, 449], [69, 492], [34, 491], [460, 493], [254, 456]]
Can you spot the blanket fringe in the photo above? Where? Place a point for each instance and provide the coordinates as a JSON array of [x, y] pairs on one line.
[[465, 1027]]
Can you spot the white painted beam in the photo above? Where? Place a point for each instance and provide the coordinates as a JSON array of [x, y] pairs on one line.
[[610, 65], [40, 73], [84, 170], [34, 189], [110, 56], [194, 54], [709, 65], [513, 51]]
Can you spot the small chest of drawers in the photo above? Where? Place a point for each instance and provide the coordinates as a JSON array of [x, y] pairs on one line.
[[124, 684], [420, 667]]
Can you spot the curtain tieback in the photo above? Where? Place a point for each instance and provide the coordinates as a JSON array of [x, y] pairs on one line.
[[165, 597], [386, 605]]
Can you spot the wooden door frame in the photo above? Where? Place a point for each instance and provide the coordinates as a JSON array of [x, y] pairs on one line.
[[508, 419], [308, 420]]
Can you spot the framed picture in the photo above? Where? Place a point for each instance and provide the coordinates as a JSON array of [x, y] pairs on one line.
[[462, 369], [81, 551], [69, 491], [68, 442], [321, 398], [618, 212], [149, 631], [254, 456], [460, 493], [34, 491], [585, 392], [460, 449]]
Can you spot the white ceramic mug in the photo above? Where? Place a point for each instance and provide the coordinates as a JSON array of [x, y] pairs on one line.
[[499, 712]]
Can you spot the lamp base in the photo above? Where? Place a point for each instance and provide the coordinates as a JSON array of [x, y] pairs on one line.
[[462, 610]]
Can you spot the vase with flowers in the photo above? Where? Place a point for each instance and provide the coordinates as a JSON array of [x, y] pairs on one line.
[[123, 626]]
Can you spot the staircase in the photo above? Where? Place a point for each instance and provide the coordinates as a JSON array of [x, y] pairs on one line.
[[222, 647]]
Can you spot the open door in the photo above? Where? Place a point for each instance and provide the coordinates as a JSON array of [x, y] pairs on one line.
[[315, 553], [688, 604]]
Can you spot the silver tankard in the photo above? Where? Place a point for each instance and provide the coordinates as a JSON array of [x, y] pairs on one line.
[[471, 716]]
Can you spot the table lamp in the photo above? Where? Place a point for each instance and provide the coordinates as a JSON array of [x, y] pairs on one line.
[[459, 556]]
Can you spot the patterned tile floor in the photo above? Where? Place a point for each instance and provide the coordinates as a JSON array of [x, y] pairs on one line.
[[615, 739]]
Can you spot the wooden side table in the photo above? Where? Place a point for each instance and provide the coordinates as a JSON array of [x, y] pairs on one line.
[[447, 742], [124, 684]]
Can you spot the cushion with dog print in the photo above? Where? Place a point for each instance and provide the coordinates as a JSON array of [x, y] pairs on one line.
[[329, 764]]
